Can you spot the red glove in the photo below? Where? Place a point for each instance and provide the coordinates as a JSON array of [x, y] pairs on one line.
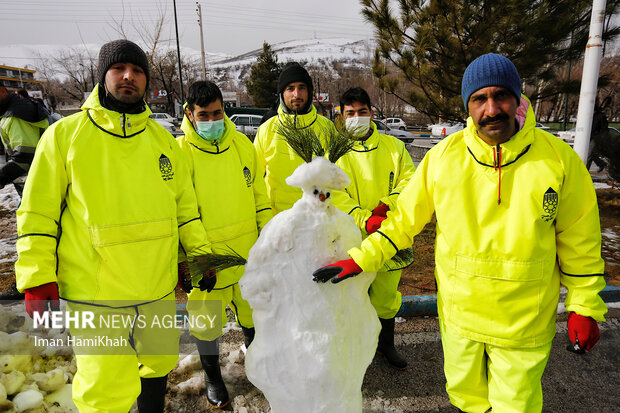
[[185, 279], [583, 332], [381, 210], [36, 298], [337, 271], [373, 223], [208, 281]]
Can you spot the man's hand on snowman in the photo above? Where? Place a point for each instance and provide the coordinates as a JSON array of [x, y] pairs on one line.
[[337, 271]]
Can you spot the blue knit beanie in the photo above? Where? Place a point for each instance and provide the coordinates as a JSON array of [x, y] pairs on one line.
[[490, 70]]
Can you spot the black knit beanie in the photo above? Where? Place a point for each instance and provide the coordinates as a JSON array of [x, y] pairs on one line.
[[121, 51], [293, 72]]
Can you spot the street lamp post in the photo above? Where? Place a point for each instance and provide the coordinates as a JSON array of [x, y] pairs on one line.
[[176, 27]]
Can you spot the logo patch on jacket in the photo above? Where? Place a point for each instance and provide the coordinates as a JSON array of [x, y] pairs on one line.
[[248, 176], [165, 167], [549, 205], [391, 184]]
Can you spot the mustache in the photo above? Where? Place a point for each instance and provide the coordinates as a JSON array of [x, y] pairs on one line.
[[500, 117], [129, 85]]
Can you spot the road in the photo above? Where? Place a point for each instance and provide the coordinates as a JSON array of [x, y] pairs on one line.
[[571, 383]]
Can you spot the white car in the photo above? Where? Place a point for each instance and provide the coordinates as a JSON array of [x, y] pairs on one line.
[[168, 126], [247, 124], [441, 130], [541, 126], [567, 136], [165, 117], [400, 134], [396, 123]]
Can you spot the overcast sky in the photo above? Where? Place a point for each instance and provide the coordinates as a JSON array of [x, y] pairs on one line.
[[232, 27]]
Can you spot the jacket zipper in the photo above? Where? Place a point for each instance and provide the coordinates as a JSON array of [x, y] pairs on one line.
[[125, 121], [497, 163]]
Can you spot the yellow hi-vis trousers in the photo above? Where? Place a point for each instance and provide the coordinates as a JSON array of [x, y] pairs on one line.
[[108, 377], [384, 294], [198, 303], [480, 376]]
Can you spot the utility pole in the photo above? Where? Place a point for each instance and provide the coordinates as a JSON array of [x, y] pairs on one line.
[[589, 80], [176, 27], [202, 42]]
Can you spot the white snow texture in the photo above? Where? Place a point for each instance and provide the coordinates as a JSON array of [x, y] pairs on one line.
[[313, 341]]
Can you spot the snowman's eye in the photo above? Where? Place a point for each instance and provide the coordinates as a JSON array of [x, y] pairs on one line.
[[316, 192], [327, 195]]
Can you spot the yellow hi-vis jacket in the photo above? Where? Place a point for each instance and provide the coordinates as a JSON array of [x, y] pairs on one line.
[[20, 139], [499, 264], [278, 160], [231, 193], [379, 168], [107, 198]]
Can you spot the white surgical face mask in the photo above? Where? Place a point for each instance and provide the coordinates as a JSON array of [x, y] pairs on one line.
[[210, 130], [358, 126]]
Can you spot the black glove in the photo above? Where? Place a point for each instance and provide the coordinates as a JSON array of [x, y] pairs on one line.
[[207, 282]]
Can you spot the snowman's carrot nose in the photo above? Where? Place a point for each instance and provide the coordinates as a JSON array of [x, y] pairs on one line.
[[322, 197]]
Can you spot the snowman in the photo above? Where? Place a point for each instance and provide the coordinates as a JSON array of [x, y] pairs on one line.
[[313, 340]]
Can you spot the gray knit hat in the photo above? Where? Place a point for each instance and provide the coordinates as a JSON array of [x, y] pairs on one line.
[[121, 51], [490, 70]]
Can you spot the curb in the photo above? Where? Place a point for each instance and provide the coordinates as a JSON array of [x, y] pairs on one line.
[[427, 304]]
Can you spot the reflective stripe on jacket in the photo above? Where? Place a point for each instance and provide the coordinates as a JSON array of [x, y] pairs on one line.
[[499, 266], [278, 160], [379, 168], [231, 193], [105, 203]]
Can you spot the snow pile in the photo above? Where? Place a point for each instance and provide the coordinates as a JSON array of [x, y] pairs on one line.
[[9, 202], [313, 341], [29, 381]]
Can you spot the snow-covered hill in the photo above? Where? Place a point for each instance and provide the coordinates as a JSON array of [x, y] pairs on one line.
[[313, 52]]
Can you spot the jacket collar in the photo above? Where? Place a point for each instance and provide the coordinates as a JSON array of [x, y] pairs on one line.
[[300, 121], [512, 149], [122, 125], [216, 146], [368, 144]]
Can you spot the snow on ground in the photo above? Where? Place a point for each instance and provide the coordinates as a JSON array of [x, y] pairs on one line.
[[601, 185], [9, 201]]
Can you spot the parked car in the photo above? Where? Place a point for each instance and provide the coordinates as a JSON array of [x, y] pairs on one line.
[[168, 126], [247, 124], [541, 126], [441, 130], [402, 135], [396, 123], [165, 117], [567, 136]]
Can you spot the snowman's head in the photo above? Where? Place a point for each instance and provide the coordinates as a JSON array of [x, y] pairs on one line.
[[318, 178]]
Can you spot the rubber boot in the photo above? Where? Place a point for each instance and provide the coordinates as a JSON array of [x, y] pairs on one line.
[[248, 336], [217, 395], [12, 293], [386, 344], [153, 394]]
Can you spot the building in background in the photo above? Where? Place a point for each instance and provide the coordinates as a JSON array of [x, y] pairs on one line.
[[15, 78]]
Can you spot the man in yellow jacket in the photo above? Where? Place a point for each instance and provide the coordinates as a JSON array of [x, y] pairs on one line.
[[106, 202], [22, 122], [278, 160], [516, 218], [379, 167], [233, 205]]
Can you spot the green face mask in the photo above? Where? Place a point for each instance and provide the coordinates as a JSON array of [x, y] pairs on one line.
[[210, 130]]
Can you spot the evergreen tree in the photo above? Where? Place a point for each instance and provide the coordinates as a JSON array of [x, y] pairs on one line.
[[428, 44], [262, 85]]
